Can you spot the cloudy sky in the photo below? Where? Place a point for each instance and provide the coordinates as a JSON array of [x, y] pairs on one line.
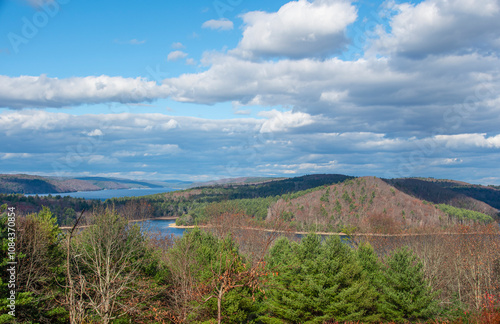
[[199, 90]]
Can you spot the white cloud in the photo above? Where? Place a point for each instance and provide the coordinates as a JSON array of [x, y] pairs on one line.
[[302, 168], [176, 55], [6, 156], [437, 27], [333, 96], [468, 141], [298, 29], [42, 91], [278, 121], [448, 161], [124, 154], [220, 24], [367, 93], [171, 124], [95, 132]]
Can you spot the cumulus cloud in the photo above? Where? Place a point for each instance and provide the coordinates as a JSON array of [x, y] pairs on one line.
[[95, 132], [278, 121], [298, 29], [42, 91], [448, 161], [438, 27], [368, 94], [5, 156], [176, 55], [219, 24], [302, 168], [468, 141]]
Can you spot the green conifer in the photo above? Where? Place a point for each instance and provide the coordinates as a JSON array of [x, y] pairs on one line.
[[407, 295]]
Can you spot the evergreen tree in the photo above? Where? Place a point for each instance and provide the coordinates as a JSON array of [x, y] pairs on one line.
[[374, 273], [317, 282], [407, 295]]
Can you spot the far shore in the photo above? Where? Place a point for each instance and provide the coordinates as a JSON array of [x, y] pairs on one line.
[[254, 229], [155, 218], [173, 225], [338, 234]]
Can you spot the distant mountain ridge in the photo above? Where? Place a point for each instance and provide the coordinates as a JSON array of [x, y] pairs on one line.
[[236, 181], [31, 184]]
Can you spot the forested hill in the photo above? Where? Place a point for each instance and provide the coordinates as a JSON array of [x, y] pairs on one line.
[[370, 205], [487, 194], [458, 194], [30, 184]]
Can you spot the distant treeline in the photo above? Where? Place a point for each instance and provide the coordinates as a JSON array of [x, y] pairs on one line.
[[65, 209]]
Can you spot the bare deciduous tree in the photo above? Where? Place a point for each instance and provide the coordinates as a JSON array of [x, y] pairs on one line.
[[107, 257]]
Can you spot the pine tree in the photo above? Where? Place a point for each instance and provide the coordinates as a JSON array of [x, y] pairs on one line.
[[372, 268], [317, 282], [407, 295]]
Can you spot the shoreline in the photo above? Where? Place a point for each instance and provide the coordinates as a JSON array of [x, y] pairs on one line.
[[155, 218], [172, 225], [255, 229], [332, 234]]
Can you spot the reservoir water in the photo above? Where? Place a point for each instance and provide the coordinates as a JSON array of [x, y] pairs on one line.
[[111, 193], [162, 227]]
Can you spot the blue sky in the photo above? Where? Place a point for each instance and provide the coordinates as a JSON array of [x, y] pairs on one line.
[[203, 90]]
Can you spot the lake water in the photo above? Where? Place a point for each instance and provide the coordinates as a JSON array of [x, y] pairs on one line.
[[161, 226], [111, 193]]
